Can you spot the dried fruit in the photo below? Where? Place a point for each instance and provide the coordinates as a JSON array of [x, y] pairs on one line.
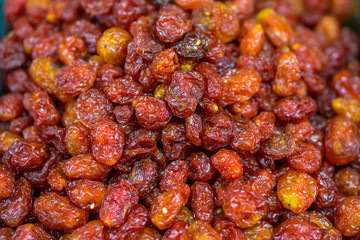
[[26, 155], [184, 92], [287, 76], [56, 211], [202, 201], [175, 172], [174, 141], [305, 157], [118, 200], [342, 144], [93, 106], [201, 168], [243, 205], [76, 78], [278, 146], [93, 229], [202, 230], [122, 90], [172, 23], [143, 176], [107, 142], [166, 206], [85, 166], [18, 205], [151, 113], [112, 45], [246, 136], [347, 181], [262, 230], [297, 228], [85, 193], [228, 163], [164, 65], [238, 85], [41, 108], [276, 27], [346, 216], [297, 191], [217, 131], [226, 119], [194, 45]]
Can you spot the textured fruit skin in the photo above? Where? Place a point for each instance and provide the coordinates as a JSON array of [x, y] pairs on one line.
[[276, 27], [265, 122], [151, 113], [263, 230], [294, 110], [172, 23], [32, 231], [202, 201], [143, 176], [10, 106], [7, 139], [228, 163], [175, 172], [305, 157], [348, 181], [85, 166], [77, 139], [18, 205], [299, 197], [184, 92], [194, 45], [217, 131], [132, 228], [342, 144], [237, 199], [122, 90], [180, 230], [12, 54], [117, 201], [328, 192], [57, 212], [6, 233], [246, 136], [302, 130], [150, 233], [179, 120], [227, 229], [86, 194], [262, 182], [27, 155], [76, 78], [201, 168], [345, 220], [279, 145], [174, 141], [71, 49], [112, 45], [41, 108], [7, 180], [166, 206], [287, 75], [238, 86], [92, 106], [107, 142], [293, 227], [193, 127], [202, 230], [91, 230]]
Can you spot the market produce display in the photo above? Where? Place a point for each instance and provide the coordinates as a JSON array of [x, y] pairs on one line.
[[179, 120]]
